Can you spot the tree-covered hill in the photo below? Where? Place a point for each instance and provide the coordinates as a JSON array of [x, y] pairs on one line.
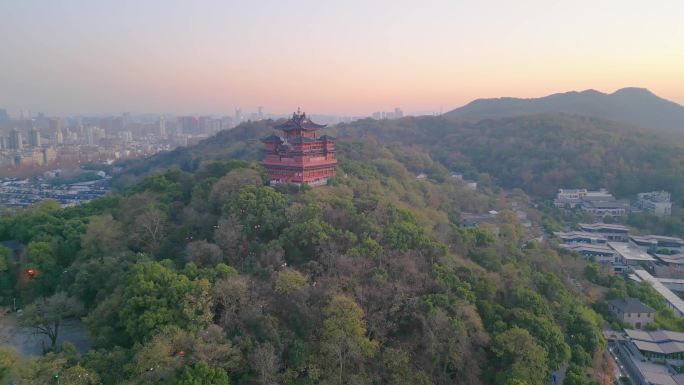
[[633, 106], [540, 153], [205, 275], [536, 153]]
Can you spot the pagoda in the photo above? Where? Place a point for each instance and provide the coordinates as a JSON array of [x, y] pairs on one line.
[[299, 156]]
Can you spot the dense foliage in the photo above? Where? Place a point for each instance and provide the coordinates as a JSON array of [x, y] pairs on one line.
[[204, 275], [536, 153]]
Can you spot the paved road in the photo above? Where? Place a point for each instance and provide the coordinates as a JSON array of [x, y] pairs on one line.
[[619, 370]]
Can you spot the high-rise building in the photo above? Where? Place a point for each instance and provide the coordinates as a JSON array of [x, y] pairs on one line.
[[15, 140], [56, 135], [34, 138], [55, 124], [90, 136], [127, 136], [260, 112], [4, 117], [162, 128], [398, 113], [189, 124], [238, 116]]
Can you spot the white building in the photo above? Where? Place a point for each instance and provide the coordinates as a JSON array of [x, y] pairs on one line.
[[656, 202]]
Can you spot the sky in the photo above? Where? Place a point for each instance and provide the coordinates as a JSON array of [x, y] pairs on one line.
[[349, 57]]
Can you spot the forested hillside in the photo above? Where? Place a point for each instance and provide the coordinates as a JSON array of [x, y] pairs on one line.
[[536, 153], [633, 106], [205, 275]]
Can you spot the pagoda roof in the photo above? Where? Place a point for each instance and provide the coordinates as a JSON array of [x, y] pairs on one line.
[[299, 121], [272, 139], [327, 137]]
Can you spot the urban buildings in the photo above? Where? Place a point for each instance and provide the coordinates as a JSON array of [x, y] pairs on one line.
[[300, 157], [396, 114], [18, 193], [600, 203], [651, 357], [655, 202]]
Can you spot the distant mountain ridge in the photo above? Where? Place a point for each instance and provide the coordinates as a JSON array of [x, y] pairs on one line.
[[634, 106]]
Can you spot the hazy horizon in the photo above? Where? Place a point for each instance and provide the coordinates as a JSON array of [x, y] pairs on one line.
[[351, 58]]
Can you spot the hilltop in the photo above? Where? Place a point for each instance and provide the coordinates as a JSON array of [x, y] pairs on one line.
[[634, 106], [538, 153]]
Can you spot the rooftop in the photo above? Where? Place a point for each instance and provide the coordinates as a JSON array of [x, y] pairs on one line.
[[631, 305], [655, 239], [604, 204], [299, 121], [603, 226], [658, 341], [590, 248], [630, 252], [676, 259], [669, 296], [579, 234]]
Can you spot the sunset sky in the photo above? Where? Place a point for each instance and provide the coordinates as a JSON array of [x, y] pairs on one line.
[[342, 57]]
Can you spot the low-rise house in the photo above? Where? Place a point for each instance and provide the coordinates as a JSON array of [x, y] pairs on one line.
[[658, 243], [571, 198], [655, 202], [599, 252], [603, 208], [580, 237], [658, 345], [631, 255], [599, 203], [615, 233], [489, 221], [669, 266], [632, 311]]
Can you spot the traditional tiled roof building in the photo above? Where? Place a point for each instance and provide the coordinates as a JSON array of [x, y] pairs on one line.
[[300, 156]]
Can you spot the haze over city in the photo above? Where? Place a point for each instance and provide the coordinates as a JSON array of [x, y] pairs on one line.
[[345, 58]]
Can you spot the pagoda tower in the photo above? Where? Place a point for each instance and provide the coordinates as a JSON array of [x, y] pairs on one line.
[[300, 156]]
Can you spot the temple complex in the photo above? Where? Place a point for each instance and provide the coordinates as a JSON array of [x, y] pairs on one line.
[[300, 156]]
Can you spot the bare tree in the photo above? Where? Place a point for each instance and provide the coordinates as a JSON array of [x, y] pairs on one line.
[[203, 253], [265, 362], [150, 228], [46, 316], [228, 235]]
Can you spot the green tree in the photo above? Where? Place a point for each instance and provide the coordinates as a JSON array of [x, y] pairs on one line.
[[289, 281], [9, 360], [261, 211], [201, 374], [519, 357], [42, 259], [153, 297], [104, 236], [343, 338]]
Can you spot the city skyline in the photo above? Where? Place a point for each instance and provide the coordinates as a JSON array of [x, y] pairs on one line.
[[351, 58]]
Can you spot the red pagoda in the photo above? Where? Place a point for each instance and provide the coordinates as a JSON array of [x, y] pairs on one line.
[[299, 156]]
